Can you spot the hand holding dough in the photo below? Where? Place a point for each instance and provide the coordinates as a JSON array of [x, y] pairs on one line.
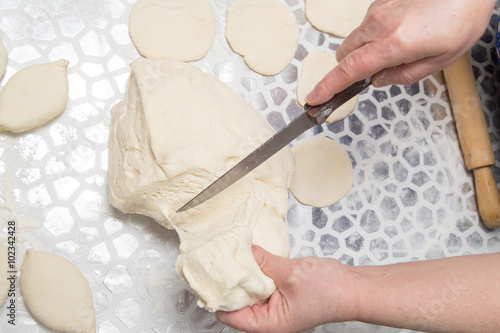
[[56, 293], [33, 96]]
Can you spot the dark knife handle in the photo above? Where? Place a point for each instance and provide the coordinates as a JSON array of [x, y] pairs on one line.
[[320, 113]]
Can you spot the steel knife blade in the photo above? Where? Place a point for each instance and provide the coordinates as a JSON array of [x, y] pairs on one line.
[[313, 115]]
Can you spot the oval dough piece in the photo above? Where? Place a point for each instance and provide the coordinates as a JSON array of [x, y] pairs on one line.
[[3, 58], [337, 17], [4, 283], [314, 67], [33, 96], [172, 29], [324, 172], [56, 293], [264, 32]]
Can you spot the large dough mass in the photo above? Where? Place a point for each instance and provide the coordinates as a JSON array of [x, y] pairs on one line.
[[177, 131], [324, 172], [314, 67], [33, 96], [337, 17], [56, 293], [264, 32], [172, 29]]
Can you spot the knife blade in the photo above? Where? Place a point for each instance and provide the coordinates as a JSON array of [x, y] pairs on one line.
[[313, 115]]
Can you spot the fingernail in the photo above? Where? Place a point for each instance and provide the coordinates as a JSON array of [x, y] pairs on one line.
[[310, 98]]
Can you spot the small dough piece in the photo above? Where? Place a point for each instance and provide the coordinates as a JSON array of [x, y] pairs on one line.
[[172, 29], [314, 67], [33, 96], [56, 293], [4, 268], [3, 58], [178, 129], [264, 32], [324, 172], [336, 17]]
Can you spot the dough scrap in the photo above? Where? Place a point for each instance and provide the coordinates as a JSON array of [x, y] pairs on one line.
[[324, 172], [336, 17], [177, 131], [3, 58], [314, 67], [56, 293], [172, 29], [4, 268], [264, 32], [33, 96]]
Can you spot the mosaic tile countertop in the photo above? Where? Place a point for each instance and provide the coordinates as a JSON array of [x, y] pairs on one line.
[[412, 198]]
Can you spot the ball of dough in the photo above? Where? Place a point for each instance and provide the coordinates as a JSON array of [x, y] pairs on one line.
[[314, 67], [33, 96], [264, 32], [324, 172], [172, 29], [337, 17], [56, 293], [3, 58]]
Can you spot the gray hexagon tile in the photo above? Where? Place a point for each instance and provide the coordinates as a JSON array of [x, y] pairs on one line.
[[412, 197]]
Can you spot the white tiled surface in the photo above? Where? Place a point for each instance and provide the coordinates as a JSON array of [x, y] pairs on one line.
[[412, 197]]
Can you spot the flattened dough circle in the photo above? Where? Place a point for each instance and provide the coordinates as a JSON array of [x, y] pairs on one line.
[[264, 32], [56, 293], [314, 67], [337, 17], [324, 172], [182, 30]]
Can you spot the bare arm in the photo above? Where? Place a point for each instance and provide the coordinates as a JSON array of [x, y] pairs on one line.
[[445, 295]]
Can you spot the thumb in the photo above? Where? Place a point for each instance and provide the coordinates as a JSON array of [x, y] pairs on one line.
[[271, 265]]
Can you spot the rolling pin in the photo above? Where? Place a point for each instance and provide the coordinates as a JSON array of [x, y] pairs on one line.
[[473, 137]]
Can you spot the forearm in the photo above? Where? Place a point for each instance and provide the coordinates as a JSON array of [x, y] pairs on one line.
[[446, 295]]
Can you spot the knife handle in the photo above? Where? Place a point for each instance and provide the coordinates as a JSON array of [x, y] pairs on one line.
[[319, 113]]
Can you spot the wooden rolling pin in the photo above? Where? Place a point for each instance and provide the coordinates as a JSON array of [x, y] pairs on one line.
[[474, 137]]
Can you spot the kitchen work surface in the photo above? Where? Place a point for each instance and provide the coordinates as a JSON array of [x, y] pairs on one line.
[[412, 197]]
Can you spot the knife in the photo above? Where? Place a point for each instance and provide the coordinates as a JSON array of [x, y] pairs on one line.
[[313, 115]]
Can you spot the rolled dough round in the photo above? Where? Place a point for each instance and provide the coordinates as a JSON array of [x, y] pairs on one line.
[[324, 172], [172, 29], [33, 96], [3, 58], [264, 32], [337, 17], [56, 293], [314, 67]]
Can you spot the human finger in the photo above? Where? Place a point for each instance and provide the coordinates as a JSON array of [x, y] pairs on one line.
[[270, 264], [358, 65], [407, 74]]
